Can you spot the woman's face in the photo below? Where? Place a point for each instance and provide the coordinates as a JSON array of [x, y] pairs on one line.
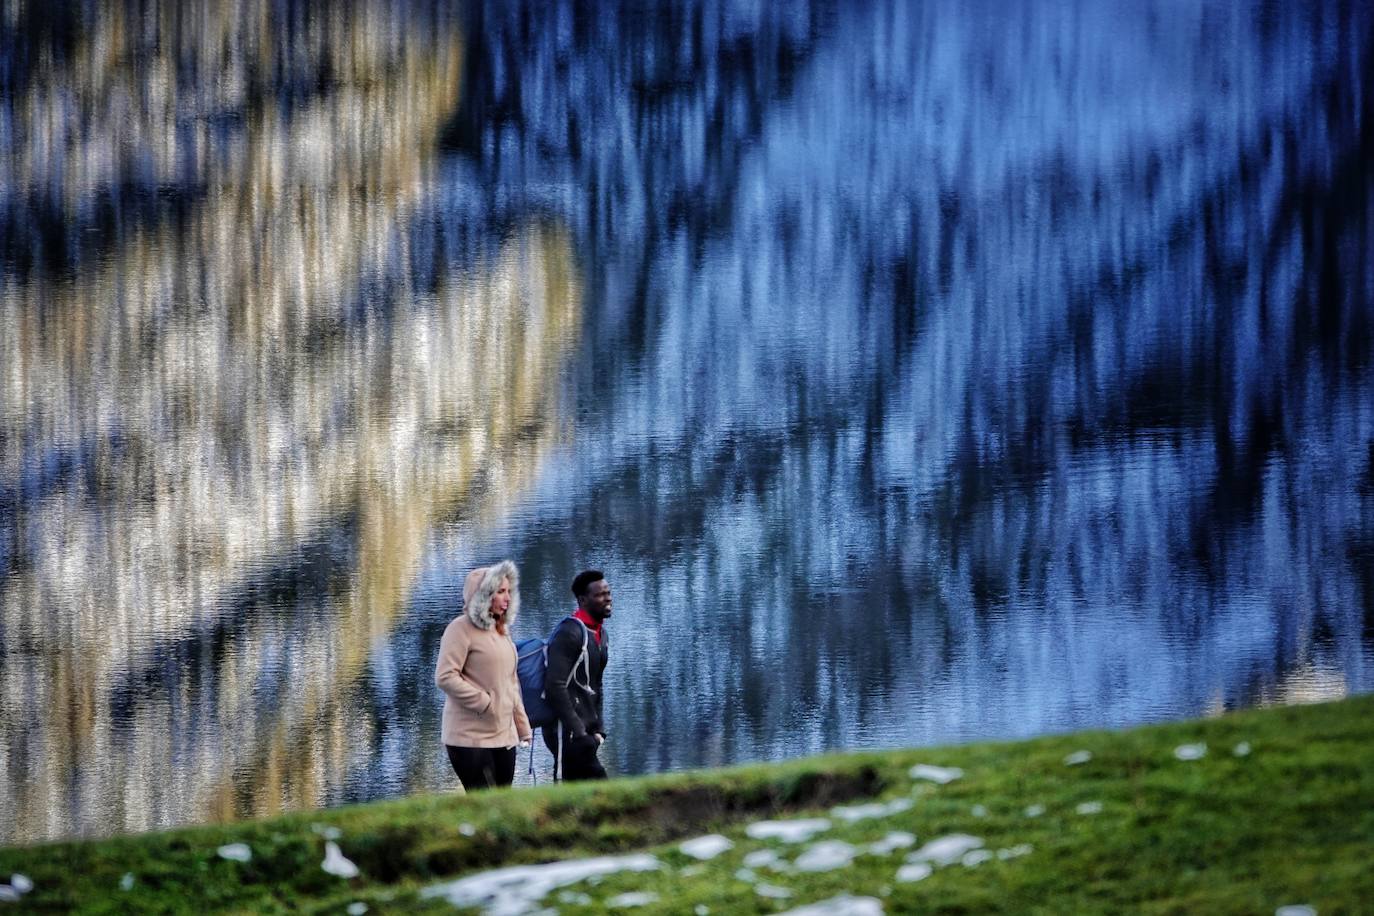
[[500, 602]]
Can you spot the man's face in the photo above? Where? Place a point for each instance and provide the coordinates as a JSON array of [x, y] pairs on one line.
[[597, 601]]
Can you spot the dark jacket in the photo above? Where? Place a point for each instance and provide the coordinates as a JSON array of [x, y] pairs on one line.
[[576, 701]]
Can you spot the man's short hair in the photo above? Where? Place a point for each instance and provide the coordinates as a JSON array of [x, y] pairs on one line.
[[584, 580]]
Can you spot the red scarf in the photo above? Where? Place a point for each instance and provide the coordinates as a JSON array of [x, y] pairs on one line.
[[593, 625]]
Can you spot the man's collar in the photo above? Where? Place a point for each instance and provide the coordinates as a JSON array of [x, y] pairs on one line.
[[591, 622]]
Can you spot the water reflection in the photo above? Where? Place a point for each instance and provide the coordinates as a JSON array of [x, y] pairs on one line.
[[1028, 361], [228, 437], [920, 372]]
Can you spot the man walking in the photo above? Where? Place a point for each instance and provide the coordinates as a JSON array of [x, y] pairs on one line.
[[577, 658]]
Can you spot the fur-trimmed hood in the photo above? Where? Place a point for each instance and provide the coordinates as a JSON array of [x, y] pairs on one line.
[[481, 585]]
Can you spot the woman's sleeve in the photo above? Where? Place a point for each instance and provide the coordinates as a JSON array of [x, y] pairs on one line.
[[448, 672], [522, 721]]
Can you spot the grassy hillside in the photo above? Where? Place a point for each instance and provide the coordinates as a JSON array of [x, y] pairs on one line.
[[1134, 828]]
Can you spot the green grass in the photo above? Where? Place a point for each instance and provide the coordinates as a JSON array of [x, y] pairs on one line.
[[1292, 822]]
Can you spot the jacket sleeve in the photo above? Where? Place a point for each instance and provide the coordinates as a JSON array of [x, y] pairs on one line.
[[522, 721], [565, 647], [448, 672], [600, 725]]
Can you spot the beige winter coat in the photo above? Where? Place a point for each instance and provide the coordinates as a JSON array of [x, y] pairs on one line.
[[476, 669]]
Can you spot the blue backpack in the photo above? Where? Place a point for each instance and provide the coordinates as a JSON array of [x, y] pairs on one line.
[[532, 662]]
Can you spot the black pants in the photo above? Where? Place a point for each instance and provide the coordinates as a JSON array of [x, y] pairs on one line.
[[482, 767], [579, 757]]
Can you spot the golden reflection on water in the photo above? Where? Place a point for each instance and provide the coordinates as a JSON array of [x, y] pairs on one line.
[[237, 395]]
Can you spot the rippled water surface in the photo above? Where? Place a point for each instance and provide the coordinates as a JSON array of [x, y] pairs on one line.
[[918, 372]]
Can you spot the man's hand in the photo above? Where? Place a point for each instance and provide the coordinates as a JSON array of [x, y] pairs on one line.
[[600, 738]]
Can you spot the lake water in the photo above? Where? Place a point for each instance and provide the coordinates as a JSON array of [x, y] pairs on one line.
[[919, 372]]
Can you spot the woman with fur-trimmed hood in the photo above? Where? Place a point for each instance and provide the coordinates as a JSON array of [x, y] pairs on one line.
[[484, 717]]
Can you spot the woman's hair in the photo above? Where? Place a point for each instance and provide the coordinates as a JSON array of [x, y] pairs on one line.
[[478, 590]]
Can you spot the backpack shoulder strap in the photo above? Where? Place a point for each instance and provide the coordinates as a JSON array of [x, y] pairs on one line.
[[584, 658]]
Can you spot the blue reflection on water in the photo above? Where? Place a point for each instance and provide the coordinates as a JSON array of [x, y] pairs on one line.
[[962, 371]]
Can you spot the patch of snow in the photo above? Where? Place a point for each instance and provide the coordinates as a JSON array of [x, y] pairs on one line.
[[1034, 810], [706, 847], [21, 883], [1015, 852], [975, 858], [764, 858], [892, 842], [9, 894], [633, 899], [691, 871], [936, 774], [914, 871], [236, 852], [979, 811], [329, 833], [336, 863], [1190, 751], [514, 891], [746, 875], [1077, 758], [946, 850], [467, 829], [843, 905], [875, 809], [798, 831], [702, 909], [772, 891], [1092, 807], [574, 898], [1242, 749], [826, 856], [356, 909], [126, 883], [1296, 909]]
